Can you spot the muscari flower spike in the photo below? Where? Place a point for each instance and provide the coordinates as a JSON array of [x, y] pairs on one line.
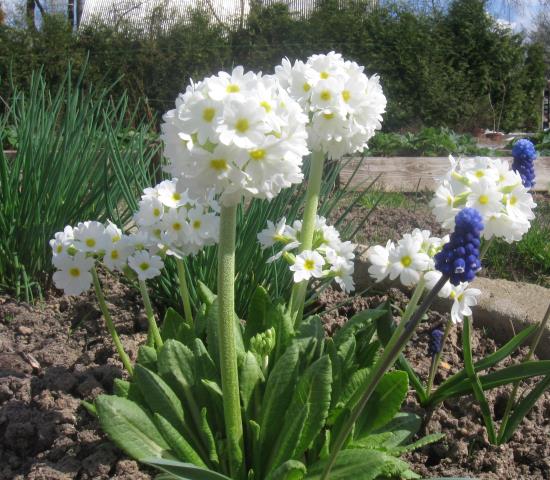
[[459, 258], [524, 154], [436, 341]]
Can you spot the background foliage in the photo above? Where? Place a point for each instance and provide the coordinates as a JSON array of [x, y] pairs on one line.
[[455, 67]]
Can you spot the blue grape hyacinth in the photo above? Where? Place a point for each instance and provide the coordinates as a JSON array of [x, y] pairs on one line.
[[525, 154], [436, 341], [459, 258]]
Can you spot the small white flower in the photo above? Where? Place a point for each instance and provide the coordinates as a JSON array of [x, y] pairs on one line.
[[169, 194], [116, 254], [113, 232], [73, 276], [379, 258], [150, 211], [407, 261], [273, 233], [343, 271], [308, 264], [146, 266], [464, 298], [91, 237], [62, 241], [485, 197]]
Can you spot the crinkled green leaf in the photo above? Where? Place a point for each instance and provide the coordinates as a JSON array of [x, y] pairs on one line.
[[256, 320], [184, 471], [250, 378], [290, 470], [171, 324], [147, 356]]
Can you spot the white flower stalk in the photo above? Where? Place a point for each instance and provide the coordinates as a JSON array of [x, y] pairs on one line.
[[345, 106], [239, 134], [337, 255], [493, 189], [73, 275], [175, 222]]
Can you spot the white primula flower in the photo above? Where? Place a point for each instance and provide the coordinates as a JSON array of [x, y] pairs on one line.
[[91, 237], [116, 254], [345, 106], [379, 258], [169, 194], [62, 241], [343, 274], [201, 227], [407, 261], [241, 135], [174, 224], [443, 205], [73, 275], [150, 211], [113, 232], [485, 197], [273, 233], [146, 266], [308, 264], [464, 298]]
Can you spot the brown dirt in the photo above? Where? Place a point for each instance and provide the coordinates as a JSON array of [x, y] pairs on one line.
[[53, 356], [465, 450]]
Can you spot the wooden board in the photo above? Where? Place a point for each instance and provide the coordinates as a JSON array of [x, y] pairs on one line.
[[409, 174]]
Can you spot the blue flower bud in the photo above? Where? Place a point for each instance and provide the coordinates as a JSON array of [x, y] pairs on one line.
[[459, 258], [524, 154], [436, 342]]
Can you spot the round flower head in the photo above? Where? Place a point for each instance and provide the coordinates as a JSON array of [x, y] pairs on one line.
[[524, 154], [493, 189], [459, 258], [239, 134], [345, 107]]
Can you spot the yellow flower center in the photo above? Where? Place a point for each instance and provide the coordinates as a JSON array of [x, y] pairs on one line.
[[208, 114], [328, 116], [156, 212], [309, 265], [90, 242], [324, 75], [483, 199], [74, 272], [242, 125], [449, 200], [513, 200], [326, 95], [232, 88], [144, 266], [218, 164], [307, 87], [257, 154], [266, 105], [452, 295], [176, 226], [346, 95], [406, 261], [197, 224], [176, 196], [480, 173], [59, 248], [115, 239], [114, 254], [156, 232], [460, 297]]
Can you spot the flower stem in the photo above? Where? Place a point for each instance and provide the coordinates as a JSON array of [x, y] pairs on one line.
[[110, 325], [383, 364], [299, 290], [437, 358], [184, 291], [153, 328], [228, 353], [512, 398]]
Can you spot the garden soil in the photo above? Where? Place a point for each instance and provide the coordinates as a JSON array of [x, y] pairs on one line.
[[57, 353]]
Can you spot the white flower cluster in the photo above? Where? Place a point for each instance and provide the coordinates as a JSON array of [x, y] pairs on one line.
[[493, 189], [75, 251], [344, 106], [412, 260], [330, 258], [240, 134], [181, 225]]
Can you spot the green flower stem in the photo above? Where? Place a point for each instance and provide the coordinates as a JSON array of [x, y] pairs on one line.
[[437, 358], [299, 290], [512, 398], [184, 291], [385, 362], [110, 325], [228, 353], [153, 328]]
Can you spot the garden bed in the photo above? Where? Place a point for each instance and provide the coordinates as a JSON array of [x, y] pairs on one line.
[[57, 353]]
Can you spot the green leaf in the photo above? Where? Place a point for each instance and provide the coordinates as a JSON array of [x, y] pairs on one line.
[[147, 356], [176, 365], [279, 388], [353, 464], [184, 471], [250, 378], [208, 436], [360, 321], [422, 442], [290, 470], [483, 364], [130, 428], [205, 294], [355, 383], [403, 427], [384, 403], [476, 384], [279, 318], [256, 320], [90, 408], [177, 443], [171, 324], [159, 396], [523, 408], [121, 387]]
